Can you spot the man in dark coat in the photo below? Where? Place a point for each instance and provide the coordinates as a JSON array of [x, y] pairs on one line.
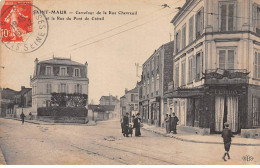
[[226, 135], [22, 117], [174, 122], [137, 123], [126, 124]]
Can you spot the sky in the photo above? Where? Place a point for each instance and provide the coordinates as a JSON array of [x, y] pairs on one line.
[[111, 54]]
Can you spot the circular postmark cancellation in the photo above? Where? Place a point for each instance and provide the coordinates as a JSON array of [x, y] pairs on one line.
[[24, 27]]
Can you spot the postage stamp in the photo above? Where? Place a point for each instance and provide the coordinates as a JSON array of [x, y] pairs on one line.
[[24, 28]]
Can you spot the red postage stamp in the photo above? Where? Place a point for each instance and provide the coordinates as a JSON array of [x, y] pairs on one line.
[[16, 20]]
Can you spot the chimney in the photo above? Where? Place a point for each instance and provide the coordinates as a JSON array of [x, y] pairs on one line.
[[22, 87], [86, 65], [35, 66], [126, 90]]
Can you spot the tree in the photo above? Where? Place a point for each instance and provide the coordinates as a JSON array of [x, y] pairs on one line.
[[69, 100]]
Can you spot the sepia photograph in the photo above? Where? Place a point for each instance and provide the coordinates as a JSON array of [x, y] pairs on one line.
[[129, 82]]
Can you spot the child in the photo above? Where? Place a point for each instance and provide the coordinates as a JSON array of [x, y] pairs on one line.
[[226, 135]]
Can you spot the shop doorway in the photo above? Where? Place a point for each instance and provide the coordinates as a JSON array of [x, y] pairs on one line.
[[226, 110]]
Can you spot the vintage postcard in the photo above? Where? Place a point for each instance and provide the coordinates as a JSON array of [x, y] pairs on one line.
[[130, 82]]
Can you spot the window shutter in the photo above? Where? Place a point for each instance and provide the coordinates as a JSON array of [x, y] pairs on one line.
[[193, 67], [254, 16], [223, 25], [201, 64], [258, 65], [222, 56], [231, 54], [231, 17], [75, 88], [191, 21], [202, 20], [255, 64]]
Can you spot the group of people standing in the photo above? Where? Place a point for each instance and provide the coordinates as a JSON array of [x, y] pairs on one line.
[[127, 128], [171, 123]]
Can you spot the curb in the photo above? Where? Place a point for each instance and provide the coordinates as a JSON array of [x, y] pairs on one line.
[[47, 123], [194, 141], [2, 158]]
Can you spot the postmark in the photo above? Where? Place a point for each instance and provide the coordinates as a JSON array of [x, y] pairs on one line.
[[24, 27]]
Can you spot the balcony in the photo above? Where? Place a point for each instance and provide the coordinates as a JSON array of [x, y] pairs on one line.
[[225, 76]]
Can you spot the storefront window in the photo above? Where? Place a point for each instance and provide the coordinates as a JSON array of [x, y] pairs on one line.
[[256, 108]]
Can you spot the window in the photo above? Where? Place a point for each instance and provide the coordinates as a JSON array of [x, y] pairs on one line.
[[145, 89], [190, 77], [183, 73], [48, 88], [177, 36], [226, 58], [148, 88], [78, 88], [198, 66], [157, 82], [184, 36], [199, 23], [152, 86], [62, 88], [48, 70], [257, 65], [256, 18], [63, 71], [256, 108], [132, 97], [152, 63], [227, 15], [191, 25], [177, 75], [76, 72]]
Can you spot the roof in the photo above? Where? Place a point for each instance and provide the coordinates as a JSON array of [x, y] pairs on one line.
[[101, 108], [135, 90], [180, 11], [108, 98], [61, 61], [8, 93], [25, 90]]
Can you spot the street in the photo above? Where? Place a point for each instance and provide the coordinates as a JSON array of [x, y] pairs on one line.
[[104, 144]]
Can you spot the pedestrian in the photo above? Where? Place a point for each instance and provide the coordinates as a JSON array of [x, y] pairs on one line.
[[170, 123], [174, 122], [126, 124], [167, 123], [226, 135], [137, 125], [22, 116], [30, 114], [133, 117], [122, 126]]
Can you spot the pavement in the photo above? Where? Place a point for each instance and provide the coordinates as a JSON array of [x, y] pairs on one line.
[[196, 138], [2, 158]]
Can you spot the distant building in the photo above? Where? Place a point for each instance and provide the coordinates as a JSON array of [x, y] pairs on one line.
[[7, 101], [108, 100], [100, 112], [157, 73], [129, 102], [23, 98], [60, 75]]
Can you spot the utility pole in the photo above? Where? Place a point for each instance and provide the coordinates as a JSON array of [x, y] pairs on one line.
[[138, 77]]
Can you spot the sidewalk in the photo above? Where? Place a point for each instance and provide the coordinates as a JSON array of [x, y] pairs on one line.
[[207, 139], [2, 159], [90, 123]]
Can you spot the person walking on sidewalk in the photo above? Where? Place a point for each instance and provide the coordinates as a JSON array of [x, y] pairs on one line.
[[226, 135], [22, 117], [174, 122], [126, 124], [137, 124], [167, 123], [30, 114]]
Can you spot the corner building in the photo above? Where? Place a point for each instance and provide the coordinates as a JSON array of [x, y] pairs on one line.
[[216, 65]]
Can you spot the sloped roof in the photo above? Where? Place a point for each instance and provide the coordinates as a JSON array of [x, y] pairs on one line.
[[61, 61], [101, 108], [25, 90], [134, 90], [108, 97]]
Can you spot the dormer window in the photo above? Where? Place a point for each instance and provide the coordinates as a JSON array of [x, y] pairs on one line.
[[63, 71], [48, 71], [76, 72]]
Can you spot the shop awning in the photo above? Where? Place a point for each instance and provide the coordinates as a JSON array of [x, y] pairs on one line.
[[184, 93]]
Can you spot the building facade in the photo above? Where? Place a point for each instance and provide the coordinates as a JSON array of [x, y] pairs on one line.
[[157, 72], [109, 100], [216, 65], [129, 103], [57, 75]]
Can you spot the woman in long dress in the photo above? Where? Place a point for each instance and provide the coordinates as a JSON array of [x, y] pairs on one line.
[[137, 123]]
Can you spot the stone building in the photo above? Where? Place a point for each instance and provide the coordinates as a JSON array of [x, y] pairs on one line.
[[108, 100], [216, 65], [59, 75], [157, 72]]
